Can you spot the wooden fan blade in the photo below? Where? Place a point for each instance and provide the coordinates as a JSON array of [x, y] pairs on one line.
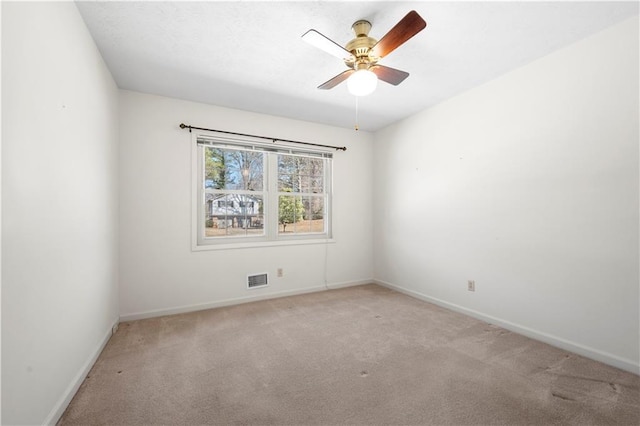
[[318, 40], [389, 75], [408, 26], [330, 84]]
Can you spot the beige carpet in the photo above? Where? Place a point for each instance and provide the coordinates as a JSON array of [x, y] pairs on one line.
[[360, 355]]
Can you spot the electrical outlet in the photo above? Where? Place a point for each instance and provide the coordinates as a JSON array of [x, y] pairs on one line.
[[280, 272], [471, 285]]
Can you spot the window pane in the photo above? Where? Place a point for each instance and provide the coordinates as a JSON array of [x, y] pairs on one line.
[[317, 185], [285, 182], [300, 174], [314, 213], [290, 211], [300, 215], [303, 183], [287, 174], [233, 169], [234, 215]]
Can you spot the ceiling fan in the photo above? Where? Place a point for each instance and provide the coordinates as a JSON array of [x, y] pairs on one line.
[[362, 54]]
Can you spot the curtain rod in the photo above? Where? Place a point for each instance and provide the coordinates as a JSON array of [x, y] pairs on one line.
[[337, 148]]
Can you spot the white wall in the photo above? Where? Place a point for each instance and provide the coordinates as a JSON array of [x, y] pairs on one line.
[[159, 273], [59, 207], [529, 186], [0, 232]]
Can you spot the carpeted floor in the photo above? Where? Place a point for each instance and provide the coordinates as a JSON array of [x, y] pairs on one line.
[[359, 355]]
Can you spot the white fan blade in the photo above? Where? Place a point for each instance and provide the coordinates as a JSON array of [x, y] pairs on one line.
[[316, 39]]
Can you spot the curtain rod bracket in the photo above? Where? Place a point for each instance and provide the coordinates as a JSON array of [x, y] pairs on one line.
[[274, 140]]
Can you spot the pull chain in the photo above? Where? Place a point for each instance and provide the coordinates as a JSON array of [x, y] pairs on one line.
[[356, 126]]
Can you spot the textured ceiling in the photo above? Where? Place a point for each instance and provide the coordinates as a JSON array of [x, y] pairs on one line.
[[250, 55]]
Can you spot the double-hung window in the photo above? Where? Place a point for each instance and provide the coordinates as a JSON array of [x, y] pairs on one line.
[[253, 192]]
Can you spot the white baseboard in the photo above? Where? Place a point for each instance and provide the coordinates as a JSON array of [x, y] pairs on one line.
[[350, 283], [595, 354], [237, 300], [67, 396]]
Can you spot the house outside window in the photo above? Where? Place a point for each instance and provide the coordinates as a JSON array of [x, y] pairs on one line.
[[247, 192]]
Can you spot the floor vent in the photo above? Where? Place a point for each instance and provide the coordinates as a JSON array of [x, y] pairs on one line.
[[258, 280]]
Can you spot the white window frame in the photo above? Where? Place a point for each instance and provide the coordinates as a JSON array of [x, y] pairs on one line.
[[271, 235]]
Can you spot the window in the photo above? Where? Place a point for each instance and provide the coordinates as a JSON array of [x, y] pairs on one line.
[[249, 192]]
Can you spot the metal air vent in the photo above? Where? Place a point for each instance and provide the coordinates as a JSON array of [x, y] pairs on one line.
[[257, 280]]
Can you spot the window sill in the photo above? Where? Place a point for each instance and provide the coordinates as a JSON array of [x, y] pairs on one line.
[[260, 244]]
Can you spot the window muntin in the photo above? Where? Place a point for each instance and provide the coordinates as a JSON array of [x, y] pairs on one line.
[[260, 193]]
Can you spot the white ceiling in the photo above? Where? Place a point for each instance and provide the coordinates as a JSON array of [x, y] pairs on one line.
[[250, 55]]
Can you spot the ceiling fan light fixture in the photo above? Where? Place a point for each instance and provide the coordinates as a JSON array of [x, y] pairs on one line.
[[362, 83]]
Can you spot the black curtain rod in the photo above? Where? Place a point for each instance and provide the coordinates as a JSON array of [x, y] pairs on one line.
[[337, 148]]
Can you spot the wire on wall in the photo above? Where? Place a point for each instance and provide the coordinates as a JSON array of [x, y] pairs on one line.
[[274, 140]]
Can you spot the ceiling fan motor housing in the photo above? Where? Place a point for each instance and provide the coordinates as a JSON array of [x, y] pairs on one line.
[[364, 52], [361, 46]]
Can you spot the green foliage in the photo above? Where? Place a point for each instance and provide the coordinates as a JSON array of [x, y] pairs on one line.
[[290, 210], [215, 168]]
